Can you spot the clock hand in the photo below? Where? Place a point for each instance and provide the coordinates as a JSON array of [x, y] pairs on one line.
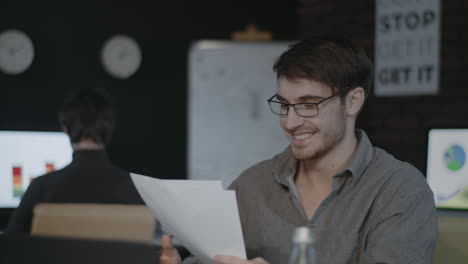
[[123, 53], [12, 51]]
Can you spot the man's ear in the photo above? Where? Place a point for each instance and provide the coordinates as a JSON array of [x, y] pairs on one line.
[[355, 100]]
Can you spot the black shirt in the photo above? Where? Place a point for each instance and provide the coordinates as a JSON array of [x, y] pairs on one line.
[[89, 178]]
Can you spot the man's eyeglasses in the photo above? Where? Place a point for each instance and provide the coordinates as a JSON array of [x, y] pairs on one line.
[[302, 109]]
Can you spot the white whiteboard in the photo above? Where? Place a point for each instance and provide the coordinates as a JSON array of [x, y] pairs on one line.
[[230, 124]]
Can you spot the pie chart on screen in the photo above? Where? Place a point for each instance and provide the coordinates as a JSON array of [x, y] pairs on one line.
[[455, 157]]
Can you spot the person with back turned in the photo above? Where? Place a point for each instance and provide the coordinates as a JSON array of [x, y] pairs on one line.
[[362, 204], [87, 117]]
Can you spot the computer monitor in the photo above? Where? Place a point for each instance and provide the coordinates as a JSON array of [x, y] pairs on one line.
[[447, 168], [25, 155]]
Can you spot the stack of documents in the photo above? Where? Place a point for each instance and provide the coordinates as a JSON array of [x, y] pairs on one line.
[[200, 214]]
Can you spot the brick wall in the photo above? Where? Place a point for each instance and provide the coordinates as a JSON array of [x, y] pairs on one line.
[[401, 124]]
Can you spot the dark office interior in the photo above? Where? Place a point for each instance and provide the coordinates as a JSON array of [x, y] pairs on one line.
[[150, 135]]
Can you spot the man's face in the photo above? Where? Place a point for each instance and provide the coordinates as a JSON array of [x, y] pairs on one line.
[[311, 137]]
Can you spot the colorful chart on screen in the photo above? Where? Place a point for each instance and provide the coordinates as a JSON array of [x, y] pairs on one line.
[[447, 171], [26, 155]]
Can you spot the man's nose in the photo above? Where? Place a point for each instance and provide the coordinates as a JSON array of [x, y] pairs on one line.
[[293, 120]]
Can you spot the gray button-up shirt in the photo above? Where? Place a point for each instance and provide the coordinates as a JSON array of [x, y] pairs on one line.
[[380, 210]]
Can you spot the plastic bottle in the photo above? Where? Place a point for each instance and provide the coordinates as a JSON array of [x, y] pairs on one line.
[[303, 251]]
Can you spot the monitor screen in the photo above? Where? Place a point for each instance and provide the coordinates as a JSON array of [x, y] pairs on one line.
[[447, 170], [25, 155]]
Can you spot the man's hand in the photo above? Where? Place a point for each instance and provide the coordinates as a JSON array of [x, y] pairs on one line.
[[222, 259], [169, 255]]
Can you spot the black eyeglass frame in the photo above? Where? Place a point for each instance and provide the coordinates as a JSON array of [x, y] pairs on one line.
[[293, 105]]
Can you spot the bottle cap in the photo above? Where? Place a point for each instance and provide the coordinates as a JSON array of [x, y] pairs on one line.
[[303, 234]]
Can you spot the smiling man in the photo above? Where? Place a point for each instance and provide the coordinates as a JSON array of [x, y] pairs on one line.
[[362, 204]]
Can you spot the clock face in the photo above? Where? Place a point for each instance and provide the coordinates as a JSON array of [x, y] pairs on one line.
[[16, 52], [121, 56]]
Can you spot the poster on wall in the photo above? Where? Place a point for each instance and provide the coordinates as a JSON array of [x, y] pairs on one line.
[[407, 47]]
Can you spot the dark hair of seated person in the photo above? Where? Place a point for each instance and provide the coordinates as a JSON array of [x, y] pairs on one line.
[[88, 114]]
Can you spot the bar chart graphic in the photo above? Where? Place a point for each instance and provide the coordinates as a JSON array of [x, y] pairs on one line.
[[17, 181]]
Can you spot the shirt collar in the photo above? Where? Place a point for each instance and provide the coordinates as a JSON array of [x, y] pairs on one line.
[[90, 158], [285, 165], [362, 156]]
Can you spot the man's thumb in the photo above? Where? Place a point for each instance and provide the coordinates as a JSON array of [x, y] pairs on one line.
[[166, 245]]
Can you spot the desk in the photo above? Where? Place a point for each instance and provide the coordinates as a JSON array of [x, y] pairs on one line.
[[22, 248]]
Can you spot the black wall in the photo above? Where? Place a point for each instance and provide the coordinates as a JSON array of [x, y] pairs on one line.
[[150, 135]]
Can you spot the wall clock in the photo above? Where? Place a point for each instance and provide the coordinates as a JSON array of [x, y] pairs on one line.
[[16, 51], [121, 56]]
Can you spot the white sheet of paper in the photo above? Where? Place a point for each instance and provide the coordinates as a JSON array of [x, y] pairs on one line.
[[200, 214]]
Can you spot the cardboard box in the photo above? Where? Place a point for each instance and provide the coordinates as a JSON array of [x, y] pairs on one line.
[[452, 244], [116, 222]]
